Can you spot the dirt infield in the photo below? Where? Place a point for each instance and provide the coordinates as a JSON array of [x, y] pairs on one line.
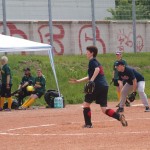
[[60, 129]]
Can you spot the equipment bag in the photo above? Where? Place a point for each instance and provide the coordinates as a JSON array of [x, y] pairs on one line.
[[49, 97]]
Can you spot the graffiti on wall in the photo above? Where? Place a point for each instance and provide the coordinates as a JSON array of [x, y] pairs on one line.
[[57, 37], [12, 30], [85, 37], [41, 34], [125, 40]]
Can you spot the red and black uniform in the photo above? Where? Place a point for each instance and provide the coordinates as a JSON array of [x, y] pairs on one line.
[[99, 94], [101, 85]]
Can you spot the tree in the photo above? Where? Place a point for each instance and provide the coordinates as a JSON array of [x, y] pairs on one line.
[[123, 10]]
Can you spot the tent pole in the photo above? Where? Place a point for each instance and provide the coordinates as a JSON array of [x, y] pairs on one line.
[[54, 71], [50, 52]]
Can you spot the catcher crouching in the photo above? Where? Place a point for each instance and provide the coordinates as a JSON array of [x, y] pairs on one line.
[[96, 89]]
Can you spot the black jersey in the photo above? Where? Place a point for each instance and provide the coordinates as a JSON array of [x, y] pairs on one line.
[[129, 75], [100, 78]]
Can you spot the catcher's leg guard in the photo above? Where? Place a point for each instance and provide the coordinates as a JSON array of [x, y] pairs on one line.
[[9, 102], [87, 115], [30, 102], [24, 104], [2, 102]]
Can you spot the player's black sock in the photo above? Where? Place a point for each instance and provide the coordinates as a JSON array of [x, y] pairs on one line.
[[112, 113], [87, 115]]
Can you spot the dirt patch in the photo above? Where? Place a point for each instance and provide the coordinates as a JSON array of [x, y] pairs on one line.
[[60, 129]]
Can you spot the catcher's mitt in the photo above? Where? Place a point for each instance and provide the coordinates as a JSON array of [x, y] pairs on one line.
[[89, 87], [132, 96]]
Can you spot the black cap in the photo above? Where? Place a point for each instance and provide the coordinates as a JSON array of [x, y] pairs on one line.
[[27, 69], [119, 63]]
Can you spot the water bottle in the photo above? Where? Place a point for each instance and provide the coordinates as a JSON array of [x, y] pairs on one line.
[[58, 102], [55, 102]]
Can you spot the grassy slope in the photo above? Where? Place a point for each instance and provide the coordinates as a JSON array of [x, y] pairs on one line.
[[75, 67]]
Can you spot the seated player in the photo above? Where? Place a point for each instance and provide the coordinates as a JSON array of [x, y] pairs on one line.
[[39, 90], [27, 79]]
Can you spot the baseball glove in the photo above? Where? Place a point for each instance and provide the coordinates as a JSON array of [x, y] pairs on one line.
[[89, 87], [132, 96]]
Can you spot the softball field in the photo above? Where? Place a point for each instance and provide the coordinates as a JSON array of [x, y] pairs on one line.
[[61, 129]]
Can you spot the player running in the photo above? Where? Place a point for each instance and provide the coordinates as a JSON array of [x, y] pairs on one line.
[[96, 75], [134, 82]]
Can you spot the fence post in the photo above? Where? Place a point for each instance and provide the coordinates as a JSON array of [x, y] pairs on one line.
[[50, 23], [134, 24], [4, 17], [93, 22]]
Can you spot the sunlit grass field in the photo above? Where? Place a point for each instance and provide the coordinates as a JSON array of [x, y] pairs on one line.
[[75, 66]]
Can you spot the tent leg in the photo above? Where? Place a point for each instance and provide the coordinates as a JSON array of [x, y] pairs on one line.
[[53, 68]]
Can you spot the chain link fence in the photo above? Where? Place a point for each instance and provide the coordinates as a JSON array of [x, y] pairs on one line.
[[71, 25]]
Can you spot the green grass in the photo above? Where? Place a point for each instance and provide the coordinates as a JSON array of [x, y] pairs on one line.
[[75, 67]]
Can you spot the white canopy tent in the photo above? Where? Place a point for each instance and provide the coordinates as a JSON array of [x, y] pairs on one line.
[[13, 44]]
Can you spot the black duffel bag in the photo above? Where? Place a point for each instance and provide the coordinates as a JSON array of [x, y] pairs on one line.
[[49, 98]]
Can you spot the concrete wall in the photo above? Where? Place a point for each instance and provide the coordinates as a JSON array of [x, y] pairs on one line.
[[61, 9], [72, 37]]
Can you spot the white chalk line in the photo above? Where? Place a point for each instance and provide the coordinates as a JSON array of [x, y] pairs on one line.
[[69, 134], [48, 125], [76, 134], [29, 127]]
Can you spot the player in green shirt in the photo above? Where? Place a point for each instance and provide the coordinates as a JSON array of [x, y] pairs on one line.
[[39, 89], [6, 84], [27, 79]]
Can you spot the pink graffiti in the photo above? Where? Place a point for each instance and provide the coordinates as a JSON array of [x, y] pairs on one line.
[[125, 40], [57, 37], [87, 38], [14, 31], [139, 43]]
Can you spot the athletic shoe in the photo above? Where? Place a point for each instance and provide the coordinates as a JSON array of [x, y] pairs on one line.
[[127, 103], [147, 109], [123, 121], [1, 109], [7, 109], [120, 110], [87, 126], [21, 108]]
